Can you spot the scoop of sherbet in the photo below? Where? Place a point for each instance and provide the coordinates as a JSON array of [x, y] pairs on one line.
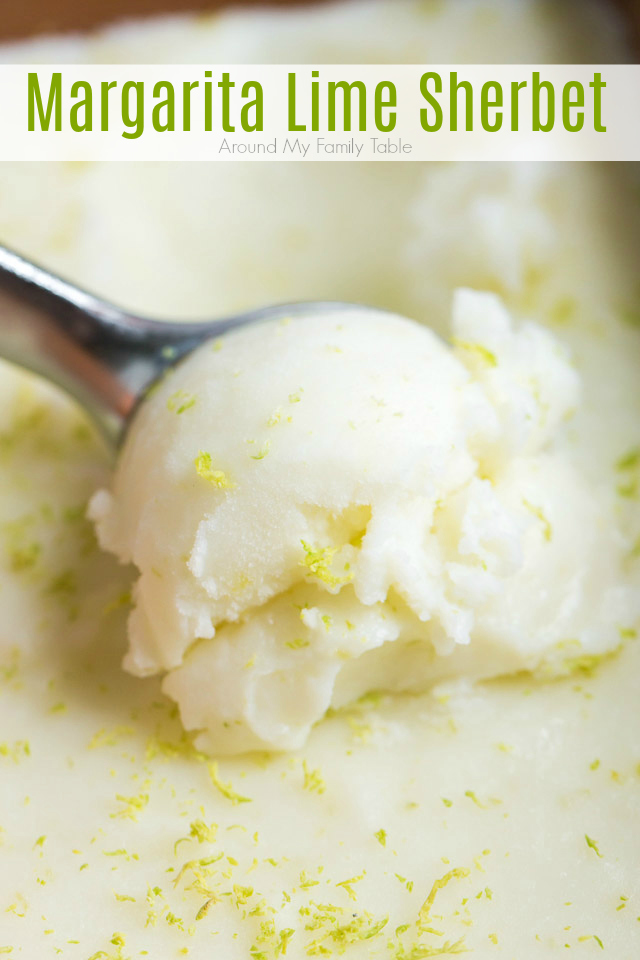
[[322, 506]]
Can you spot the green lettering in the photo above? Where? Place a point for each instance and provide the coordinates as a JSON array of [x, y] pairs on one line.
[[597, 83], [85, 105], [163, 86], [292, 104], [454, 88], [105, 86], [54, 105], [486, 104], [347, 90], [568, 104], [186, 103], [252, 86], [385, 86], [225, 85], [431, 100], [136, 122], [515, 105], [538, 86]]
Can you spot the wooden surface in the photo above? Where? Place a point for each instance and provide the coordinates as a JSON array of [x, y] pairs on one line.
[[23, 18]]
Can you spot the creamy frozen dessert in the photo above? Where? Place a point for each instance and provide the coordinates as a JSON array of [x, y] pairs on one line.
[[498, 817], [327, 506]]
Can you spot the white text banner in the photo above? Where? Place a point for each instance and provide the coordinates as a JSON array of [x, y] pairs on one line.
[[319, 113]]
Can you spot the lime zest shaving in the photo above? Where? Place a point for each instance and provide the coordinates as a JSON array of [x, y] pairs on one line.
[[629, 491], [421, 951], [587, 662], [25, 558], [306, 881], [593, 845], [15, 751], [298, 644], [474, 799], [424, 914], [123, 599], [313, 780], [362, 731], [481, 352], [629, 460], [347, 885], [318, 563], [204, 909], [405, 883], [264, 450], [197, 866], [109, 738], [540, 515], [358, 930], [225, 789], [580, 662], [202, 832], [132, 806], [205, 469], [284, 937], [180, 401]]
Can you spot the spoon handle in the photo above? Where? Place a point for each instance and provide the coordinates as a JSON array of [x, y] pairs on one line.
[[100, 354]]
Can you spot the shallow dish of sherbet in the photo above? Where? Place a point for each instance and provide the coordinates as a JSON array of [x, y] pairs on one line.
[[338, 657]]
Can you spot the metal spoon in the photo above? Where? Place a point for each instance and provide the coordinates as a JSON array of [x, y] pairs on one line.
[[102, 355]]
